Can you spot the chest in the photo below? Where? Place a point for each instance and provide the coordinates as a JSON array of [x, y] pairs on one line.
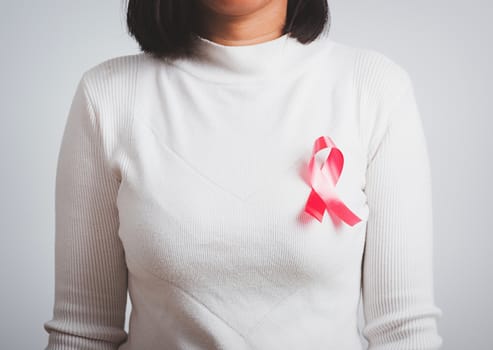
[[216, 184]]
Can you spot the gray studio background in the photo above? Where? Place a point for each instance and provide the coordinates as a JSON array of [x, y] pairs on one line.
[[445, 45]]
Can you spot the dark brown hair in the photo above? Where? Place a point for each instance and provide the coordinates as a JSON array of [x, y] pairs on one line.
[[167, 28]]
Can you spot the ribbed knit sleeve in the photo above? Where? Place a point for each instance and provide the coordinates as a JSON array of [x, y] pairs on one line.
[[397, 281], [90, 269]]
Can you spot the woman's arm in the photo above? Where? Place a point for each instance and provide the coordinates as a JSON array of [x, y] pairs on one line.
[[90, 269], [397, 287]]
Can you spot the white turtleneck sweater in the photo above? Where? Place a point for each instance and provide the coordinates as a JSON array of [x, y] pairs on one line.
[[184, 183]]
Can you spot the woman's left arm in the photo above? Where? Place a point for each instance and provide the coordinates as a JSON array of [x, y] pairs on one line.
[[397, 282]]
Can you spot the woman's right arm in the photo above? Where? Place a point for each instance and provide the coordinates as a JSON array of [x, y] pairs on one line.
[[90, 269]]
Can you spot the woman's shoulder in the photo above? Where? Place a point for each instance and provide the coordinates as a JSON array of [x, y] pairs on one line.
[[110, 86], [371, 68], [375, 75], [111, 83], [378, 81], [113, 70]]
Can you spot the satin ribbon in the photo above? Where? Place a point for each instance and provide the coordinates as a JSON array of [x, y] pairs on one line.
[[323, 180]]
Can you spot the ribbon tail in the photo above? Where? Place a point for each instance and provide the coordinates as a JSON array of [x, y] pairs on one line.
[[315, 206], [343, 212]]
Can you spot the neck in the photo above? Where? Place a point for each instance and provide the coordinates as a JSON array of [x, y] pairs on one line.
[[237, 25], [267, 60]]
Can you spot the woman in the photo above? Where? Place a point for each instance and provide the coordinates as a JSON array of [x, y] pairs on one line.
[[245, 178]]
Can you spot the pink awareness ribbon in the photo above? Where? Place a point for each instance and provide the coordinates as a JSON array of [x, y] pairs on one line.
[[323, 180]]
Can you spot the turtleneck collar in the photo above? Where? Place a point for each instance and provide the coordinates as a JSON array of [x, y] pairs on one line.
[[244, 63]]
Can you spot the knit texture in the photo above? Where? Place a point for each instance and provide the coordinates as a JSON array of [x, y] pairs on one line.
[[184, 181]]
